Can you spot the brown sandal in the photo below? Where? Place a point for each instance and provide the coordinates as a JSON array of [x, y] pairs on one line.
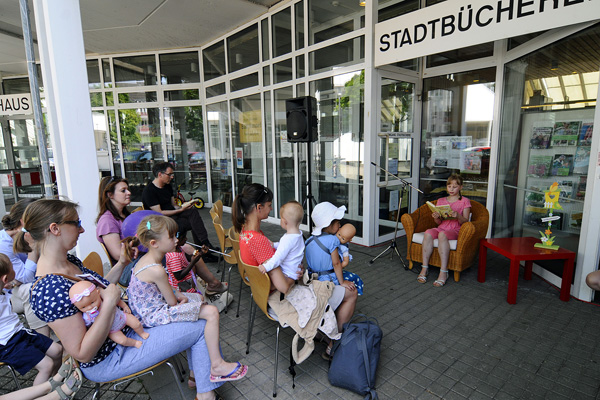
[[223, 287], [192, 382]]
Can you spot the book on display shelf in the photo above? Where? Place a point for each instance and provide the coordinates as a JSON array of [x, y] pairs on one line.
[[540, 138], [575, 220], [539, 166], [565, 134], [585, 134], [567, 189], [533, 217], [581, 186], [562, 165], [535, 197], [581, 160]]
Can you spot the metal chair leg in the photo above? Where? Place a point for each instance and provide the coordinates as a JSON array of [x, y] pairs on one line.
[[253, 308], [177, 379], [96, 391], [226, 293], [237, 314], [14, 375], [276, 362], [180, 366]]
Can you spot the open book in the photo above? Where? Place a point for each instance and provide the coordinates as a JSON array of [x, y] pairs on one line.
[[444, 211]]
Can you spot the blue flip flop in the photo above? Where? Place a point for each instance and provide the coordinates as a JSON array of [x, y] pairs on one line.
[[229, 377]]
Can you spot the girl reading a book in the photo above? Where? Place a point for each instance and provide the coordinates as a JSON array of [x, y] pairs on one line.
[[447, 229]]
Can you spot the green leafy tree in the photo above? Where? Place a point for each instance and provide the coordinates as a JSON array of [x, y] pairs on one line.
[[129, 120], [193, 119]]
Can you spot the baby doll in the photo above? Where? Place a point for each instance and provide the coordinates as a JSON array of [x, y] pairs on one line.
[[345, 235], [86, 297]]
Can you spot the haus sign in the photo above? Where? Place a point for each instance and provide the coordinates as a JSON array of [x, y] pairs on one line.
[[453, 24], [12, 104]]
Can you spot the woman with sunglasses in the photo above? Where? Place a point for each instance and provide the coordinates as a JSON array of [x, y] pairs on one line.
[[53, 226], [113, 198]]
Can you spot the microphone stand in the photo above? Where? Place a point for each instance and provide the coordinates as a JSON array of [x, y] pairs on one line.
[[393, 246]]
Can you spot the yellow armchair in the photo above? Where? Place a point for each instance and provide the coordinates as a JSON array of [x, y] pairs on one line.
[[467, 243]]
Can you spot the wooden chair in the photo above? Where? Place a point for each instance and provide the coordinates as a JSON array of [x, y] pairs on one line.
[[260, 287], [219, 208], [173, 364], [94, 262], [12, 372], [235, 242], [140, 208], [110, 259], [462, 251], [213, 213], [226, 247]]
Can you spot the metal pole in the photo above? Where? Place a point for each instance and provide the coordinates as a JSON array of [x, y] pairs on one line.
[[35, 99]]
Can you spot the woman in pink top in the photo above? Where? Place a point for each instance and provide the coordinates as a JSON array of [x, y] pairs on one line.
[[447, 229], [113, 198]]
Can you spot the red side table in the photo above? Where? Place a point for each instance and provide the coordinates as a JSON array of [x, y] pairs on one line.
[[521, 249]]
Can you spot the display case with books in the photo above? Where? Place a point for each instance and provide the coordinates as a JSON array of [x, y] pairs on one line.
[[581, 160], [557, 150]]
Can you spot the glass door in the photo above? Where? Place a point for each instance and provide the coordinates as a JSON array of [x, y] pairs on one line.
[[220, 155], [398, 142], [20, 172]]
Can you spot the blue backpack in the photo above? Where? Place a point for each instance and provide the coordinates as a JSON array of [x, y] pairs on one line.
[[355, 357]]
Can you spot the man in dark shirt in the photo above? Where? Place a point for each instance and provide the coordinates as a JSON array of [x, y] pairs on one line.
[[158, 196]]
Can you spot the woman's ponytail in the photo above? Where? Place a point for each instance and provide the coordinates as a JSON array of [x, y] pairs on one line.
[[251, 195], [20, 244]]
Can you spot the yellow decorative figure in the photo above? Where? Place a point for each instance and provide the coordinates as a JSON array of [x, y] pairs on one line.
[[551, 203], [552, 196]]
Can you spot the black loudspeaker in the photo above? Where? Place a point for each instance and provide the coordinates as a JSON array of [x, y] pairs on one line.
[[301, 119]]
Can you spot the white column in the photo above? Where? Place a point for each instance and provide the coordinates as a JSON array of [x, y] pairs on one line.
[[371, 90], [62, 55]]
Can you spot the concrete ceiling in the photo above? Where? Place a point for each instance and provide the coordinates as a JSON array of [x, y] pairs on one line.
[[121, 26]]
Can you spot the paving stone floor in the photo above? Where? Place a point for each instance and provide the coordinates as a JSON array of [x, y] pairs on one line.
[[462, 341]]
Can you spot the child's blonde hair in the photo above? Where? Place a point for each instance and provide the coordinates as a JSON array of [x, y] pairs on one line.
[[153, 226], [293, 212], [455, 177], [5, 265], [458, 179]]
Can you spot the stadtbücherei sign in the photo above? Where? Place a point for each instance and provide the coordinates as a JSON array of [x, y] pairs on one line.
[[12, 104], [454, 24]]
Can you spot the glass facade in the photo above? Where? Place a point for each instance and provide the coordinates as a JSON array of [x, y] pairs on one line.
[[338, 162], [135, 71], [184, 136], [456, 132], [218, 113], [547, 125], [247, 140], [179, 68], [213, 59], [242, 48]]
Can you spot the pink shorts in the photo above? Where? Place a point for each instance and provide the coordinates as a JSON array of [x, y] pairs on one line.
[[435, 232]]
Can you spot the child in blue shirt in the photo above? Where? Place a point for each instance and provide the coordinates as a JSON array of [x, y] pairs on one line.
[[322, 248], [21, 348]]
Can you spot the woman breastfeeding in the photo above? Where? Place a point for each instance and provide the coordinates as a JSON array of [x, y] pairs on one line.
[[53, 226], [250, 207]]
